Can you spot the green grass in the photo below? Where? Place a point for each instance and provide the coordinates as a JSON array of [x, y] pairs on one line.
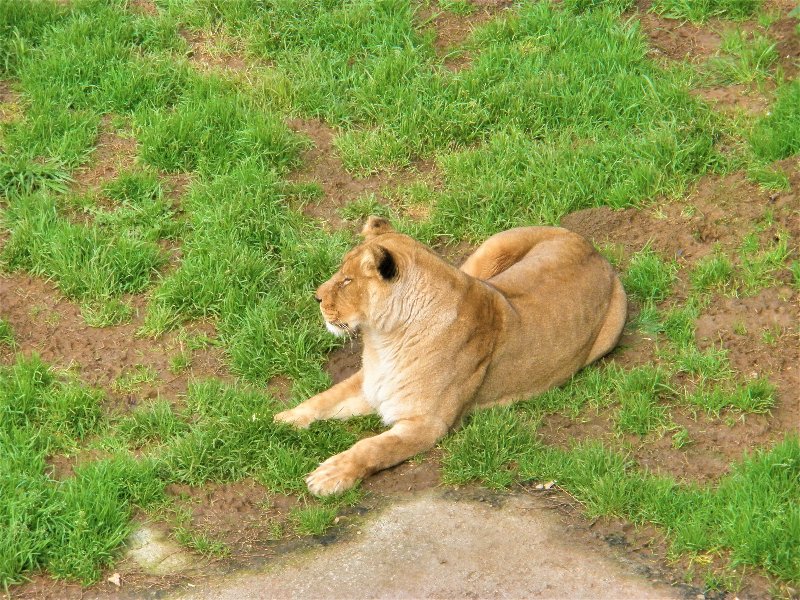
[[132, 379], [153, 422], [777, 134], [739, 519], [7, 334], [649, 277], [85, 261], [313, 520], [74, 528], [702, 10], [759, 264], [713, 272], [742, 58], [560, 108], [200, 543]]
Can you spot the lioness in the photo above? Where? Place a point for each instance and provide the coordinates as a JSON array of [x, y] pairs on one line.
[[528, 309]]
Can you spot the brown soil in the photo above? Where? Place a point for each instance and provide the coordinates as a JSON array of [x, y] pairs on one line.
[[10, 109], [113, 153], [233, 513], [214, 52], [450, 30], [678, 40], [784, 31], [146, 7], [323, 166], [46, 323]]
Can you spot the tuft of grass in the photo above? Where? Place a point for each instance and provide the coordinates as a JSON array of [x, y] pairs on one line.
[[769, 177], [23, 175], [681, 438], [7, 335], [180, 362], [23, 25], [214, 130], [742, 58], [153, 422], [485, 447], [142, 212], [106, 312], [759, 265], [649, 277], [132, 379], [755, 396], [777, 134], [312, 519], [640, 412], [712, 272], [86, 262], [702, 10], [200, 542]]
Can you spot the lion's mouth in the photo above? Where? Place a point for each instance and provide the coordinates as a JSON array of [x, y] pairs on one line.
[[340, 328]]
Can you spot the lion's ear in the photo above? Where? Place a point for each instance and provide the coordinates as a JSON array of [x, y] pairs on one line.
[[375, 226], [377, 260]]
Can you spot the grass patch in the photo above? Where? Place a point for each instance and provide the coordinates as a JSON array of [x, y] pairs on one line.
[[200, 543], [649, 277], [153, 422], [86, 262], [739, 519], [777, 134], [742, 58], [7, 335], [312, 520], [758, 264], [132, 379], [712, 273], [702, 10]]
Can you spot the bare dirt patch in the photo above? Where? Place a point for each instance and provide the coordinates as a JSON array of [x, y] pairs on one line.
[[233, 513], [719, 211], [678, 40], [145, 7], [787, 39], [323, 166], [735, 97], [46, 323], [113, 154], [451, 30], [215, 51], [10, 109]]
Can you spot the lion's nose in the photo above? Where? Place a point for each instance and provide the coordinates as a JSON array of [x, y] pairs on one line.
[[318, 299]]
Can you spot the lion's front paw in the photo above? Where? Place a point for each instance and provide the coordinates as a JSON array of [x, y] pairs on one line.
[[297, 416], [336, 475]]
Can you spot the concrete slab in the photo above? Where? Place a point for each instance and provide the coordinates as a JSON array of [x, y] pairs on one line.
[[437, 546]]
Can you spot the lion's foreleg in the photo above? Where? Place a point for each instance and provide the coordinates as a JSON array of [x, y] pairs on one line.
[[341, 401], [405, 439]]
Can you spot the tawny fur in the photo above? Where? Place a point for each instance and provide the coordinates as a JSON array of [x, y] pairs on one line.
[[526, 311]]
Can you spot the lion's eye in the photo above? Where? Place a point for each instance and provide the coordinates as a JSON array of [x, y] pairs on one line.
[[345, 281]]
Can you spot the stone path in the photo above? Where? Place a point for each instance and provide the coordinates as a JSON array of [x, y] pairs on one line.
[[437, 545]]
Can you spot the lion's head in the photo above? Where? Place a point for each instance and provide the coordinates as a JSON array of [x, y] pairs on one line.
[[363, 283]]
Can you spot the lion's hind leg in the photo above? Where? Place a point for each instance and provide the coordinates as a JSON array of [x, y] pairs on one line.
[[612, 327], [505, 249]]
